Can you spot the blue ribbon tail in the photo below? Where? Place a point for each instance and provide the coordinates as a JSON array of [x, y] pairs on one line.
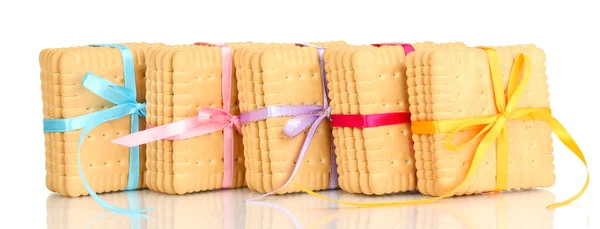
[[134, 218], [134, 202], [115, 113]]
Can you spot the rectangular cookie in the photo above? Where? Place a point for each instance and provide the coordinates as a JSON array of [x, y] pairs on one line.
[[287, 76], [66, 98], [348, 140], [247, 100], [156, 115], [45, 60], [165, 111], [456, 83], [61, 100], [333, 85], [243, 84], [384, 152], [423, 161], [50, 73], [151, 119], [193, 164], [340, 104]]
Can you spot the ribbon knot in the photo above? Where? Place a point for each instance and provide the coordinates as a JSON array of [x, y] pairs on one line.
[[210, 114], [235, 121], [140, 109]]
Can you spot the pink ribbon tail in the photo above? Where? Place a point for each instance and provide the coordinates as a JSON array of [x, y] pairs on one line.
[[228, 157], [208, 120], [160, 132]]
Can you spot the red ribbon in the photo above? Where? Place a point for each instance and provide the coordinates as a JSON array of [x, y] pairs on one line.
[[407, 47], [372, 120]]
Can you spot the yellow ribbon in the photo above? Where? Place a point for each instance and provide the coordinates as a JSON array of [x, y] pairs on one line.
[[492, 128]]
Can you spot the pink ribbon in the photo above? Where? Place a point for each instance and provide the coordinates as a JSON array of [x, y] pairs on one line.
[[207, 121], [407, 47]]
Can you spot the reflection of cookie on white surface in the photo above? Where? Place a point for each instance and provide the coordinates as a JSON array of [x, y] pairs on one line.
[[515, 209], [211, 209], [377, 217], [84, 212], [293, 211], [521, 209], [525, 208]]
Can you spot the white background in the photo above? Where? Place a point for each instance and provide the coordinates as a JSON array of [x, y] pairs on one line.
[[566, 30]]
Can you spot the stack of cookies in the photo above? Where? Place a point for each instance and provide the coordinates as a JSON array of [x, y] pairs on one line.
[[371, 80], [105, 165], [282, 75], [447, 84], [181, 81]]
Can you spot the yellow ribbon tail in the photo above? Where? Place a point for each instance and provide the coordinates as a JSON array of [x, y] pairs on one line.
[[486, 142], [381, 204], [563, 135], [570, 200]]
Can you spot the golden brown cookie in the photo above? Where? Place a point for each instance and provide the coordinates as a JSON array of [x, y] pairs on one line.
[[456, 83]]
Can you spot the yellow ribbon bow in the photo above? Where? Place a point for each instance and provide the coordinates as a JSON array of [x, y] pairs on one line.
[[493, 128]]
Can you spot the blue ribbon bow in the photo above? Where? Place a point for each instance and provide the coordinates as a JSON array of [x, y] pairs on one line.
[[124, 98]]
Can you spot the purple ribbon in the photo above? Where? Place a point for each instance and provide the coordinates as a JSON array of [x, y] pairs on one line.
[[303, 117]]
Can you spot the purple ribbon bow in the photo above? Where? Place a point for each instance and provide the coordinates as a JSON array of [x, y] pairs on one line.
[[303, 117]]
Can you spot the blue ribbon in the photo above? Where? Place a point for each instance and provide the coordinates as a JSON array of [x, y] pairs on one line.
[[134, 203], [124, 98]]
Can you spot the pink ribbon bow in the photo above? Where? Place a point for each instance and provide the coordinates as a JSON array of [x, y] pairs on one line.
[[207, 121]]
